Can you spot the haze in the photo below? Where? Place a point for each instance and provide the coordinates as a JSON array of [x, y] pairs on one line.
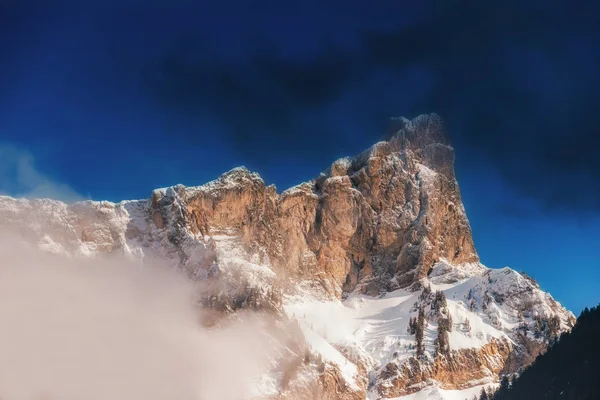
[[112, 329]]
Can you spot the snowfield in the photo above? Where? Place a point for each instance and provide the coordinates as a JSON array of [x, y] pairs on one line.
[[377, 327], [435, 393]]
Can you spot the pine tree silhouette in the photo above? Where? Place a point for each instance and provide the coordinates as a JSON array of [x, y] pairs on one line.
[[569, 370], [483, 395]]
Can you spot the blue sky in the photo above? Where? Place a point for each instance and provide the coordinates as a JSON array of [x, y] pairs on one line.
[[114, 99]]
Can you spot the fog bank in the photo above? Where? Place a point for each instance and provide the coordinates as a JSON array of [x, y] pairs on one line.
[[113, 329]]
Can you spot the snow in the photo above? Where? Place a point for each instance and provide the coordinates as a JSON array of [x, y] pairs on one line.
[[376, 327], [481, 332], [304, 188], [436, 393], [229, 180], [426, 173], [231, 257], [318, 344]]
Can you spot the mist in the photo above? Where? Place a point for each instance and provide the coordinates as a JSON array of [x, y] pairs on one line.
[[20, 176], [109, 328]]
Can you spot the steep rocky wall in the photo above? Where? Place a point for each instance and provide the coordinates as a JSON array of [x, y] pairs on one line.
[[377, 221], [380, 219]]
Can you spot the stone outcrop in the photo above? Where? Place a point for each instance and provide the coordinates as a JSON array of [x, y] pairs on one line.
[[457, 370]]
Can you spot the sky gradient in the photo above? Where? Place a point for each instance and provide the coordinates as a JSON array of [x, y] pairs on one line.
[[108, 100]]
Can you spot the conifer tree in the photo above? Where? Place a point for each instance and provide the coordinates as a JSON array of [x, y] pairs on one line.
[[504, 387], [420, 347], [569, 369], [420, 331], [421, 318], [412, 325], [553, 327], [483, 395]]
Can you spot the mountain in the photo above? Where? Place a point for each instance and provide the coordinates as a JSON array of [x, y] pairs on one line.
[[570, 369], [371, 266]]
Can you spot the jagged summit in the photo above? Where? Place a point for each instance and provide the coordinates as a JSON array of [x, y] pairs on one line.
[[239, 174], [422, 130], [424, 135], [357, 253], [377, 221], [235, 176]]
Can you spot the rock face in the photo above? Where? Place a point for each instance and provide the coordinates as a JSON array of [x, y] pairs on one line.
[[379, 220], [389, 221], [451, 372]]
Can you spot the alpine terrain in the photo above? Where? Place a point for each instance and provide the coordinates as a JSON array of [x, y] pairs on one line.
[[368, 274]]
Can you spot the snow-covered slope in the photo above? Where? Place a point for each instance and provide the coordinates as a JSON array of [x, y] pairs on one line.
[[484, 304], [436, 393]]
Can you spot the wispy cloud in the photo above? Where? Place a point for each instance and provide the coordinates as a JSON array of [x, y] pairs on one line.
[[20, 177]]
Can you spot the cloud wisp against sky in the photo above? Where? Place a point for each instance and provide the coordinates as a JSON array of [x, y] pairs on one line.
[[19, 176]]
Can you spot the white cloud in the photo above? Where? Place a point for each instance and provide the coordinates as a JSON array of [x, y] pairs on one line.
[[20, 177], [107, 328]]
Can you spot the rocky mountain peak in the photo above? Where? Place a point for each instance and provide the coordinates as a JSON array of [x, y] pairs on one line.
[[419, 132], [237, 176], [377, 221], [375, 241], [408, 200]]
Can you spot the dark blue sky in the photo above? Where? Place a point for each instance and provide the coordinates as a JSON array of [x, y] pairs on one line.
[[112, 99]]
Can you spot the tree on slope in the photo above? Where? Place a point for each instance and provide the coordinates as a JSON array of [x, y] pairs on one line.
[[504, 387], [412, 326], [483, 395], [569, 370], [420, 332]]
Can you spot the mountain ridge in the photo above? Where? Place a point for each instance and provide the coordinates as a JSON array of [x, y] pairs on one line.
[[381, 233]]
